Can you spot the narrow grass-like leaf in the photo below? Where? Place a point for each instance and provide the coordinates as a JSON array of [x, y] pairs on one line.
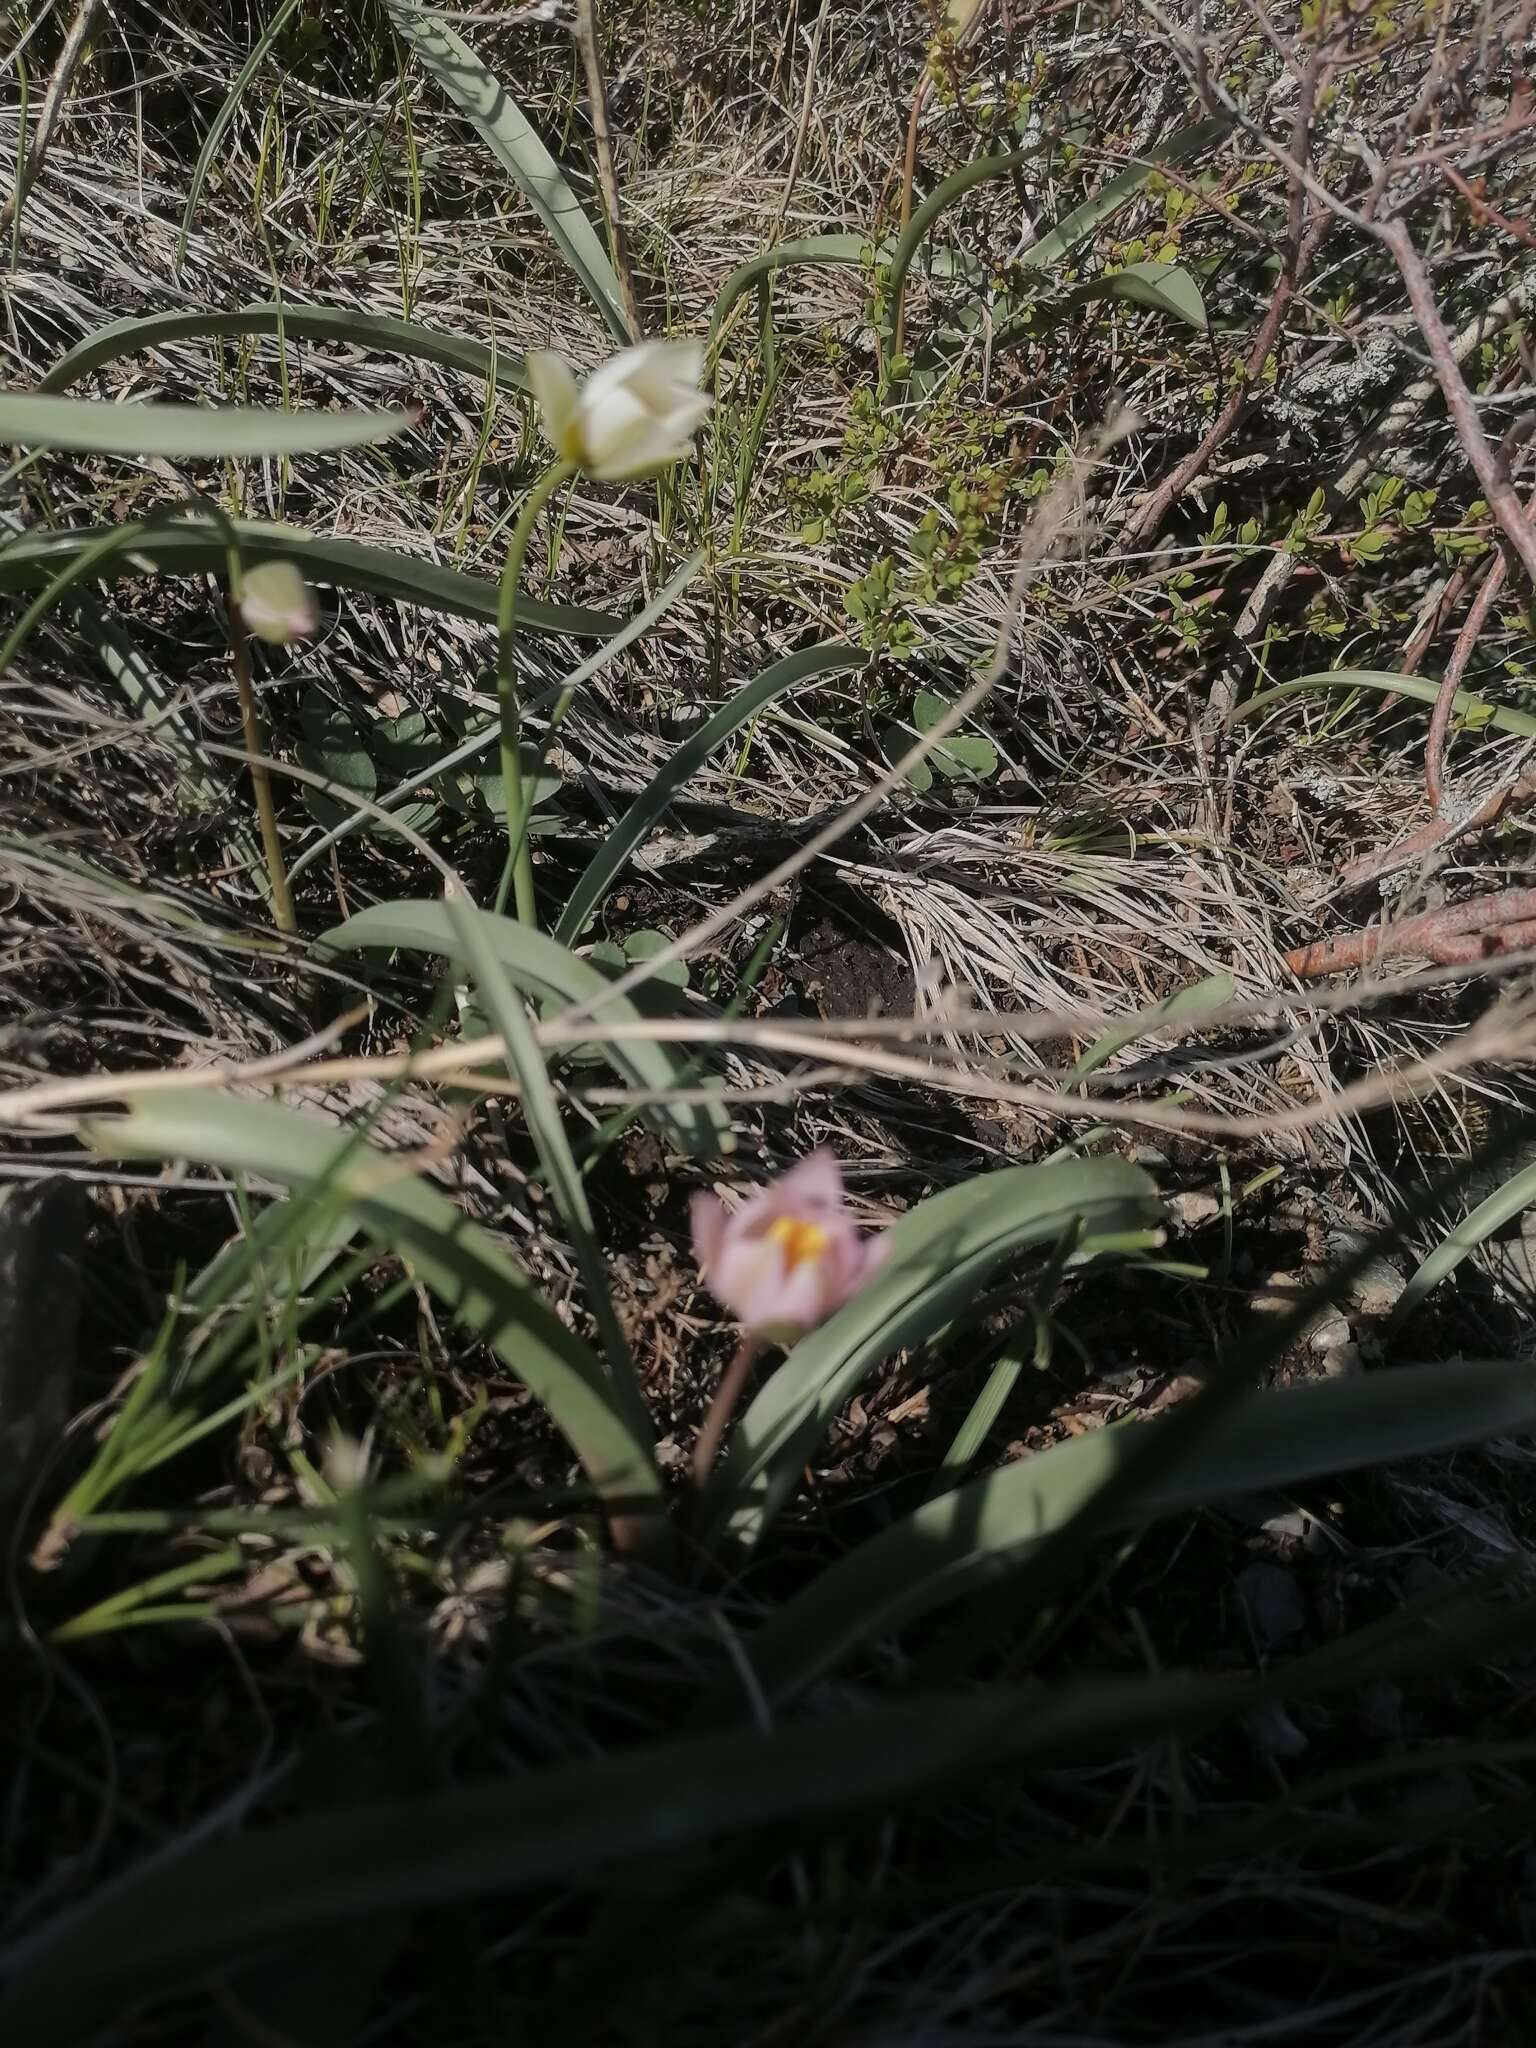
[[131, 1608], [1163, 287], [1083, 221], [1468, 704], [939, 1256], [501, 124], [543, 966], [984, 1411], [196, 547], [96, 428], [222, 119], [57, 587], [1475, 1228], [376, 331], [943, 196], [172, 1925], [630, 831], [476, 932], [479, 742], [1184, 1006], [982, 1531], [479, 1283], [162, 1927], [838, 251]]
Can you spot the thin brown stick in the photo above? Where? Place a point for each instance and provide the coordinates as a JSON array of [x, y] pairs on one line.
[[1481, 210], [1489, 945], [1466, 643], [1399, 416], [587, 41], [721, 1408], [1504, 1034], [1439, 607], [803, 125], [261, 781]]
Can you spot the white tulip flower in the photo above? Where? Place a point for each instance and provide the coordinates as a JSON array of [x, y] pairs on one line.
[[633, 416]]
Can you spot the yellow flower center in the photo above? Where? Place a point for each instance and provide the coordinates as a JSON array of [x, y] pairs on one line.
[[798, 1239]]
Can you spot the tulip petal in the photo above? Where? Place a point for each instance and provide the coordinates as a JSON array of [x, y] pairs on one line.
[[617, 432], [811, 1187], [791, 1304], [748, 1277], [554, 387], [665, 375]]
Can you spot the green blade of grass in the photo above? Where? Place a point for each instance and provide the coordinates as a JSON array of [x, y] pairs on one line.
[[160, 1927], [506, 131], [1161, 287], [477, 932], [1467, 703], [982, 1531], [1184, 1006], [939, 1256], [130, 1608], [839, 251], [222, 119], [543, 966], [480, 1284], [173, 1924], [631, 830], [93, 427], [376, 331], [1475, 1228], [196, 547], [983, 1412]]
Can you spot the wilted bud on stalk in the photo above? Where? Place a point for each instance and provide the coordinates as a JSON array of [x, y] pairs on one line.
[[277, 604]]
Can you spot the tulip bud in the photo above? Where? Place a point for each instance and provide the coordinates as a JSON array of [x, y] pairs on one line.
[[277, 604], [789, 1256], [634, 415]]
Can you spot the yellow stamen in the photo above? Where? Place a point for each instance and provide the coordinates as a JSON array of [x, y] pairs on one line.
[[799, 1239]]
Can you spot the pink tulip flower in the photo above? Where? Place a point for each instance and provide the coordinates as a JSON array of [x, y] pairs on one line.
[[789, 1256]]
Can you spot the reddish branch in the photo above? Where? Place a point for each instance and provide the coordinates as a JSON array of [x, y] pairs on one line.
[[1429, 838], [1450, 682], [1482, 212], [1455, 935], [1502, 498]]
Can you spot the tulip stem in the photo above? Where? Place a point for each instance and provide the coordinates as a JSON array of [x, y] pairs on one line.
[[517, 875], [256, 748], [722, 1407]]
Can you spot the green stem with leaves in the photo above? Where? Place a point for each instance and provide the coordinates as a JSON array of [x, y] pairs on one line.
[[518, 873]]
